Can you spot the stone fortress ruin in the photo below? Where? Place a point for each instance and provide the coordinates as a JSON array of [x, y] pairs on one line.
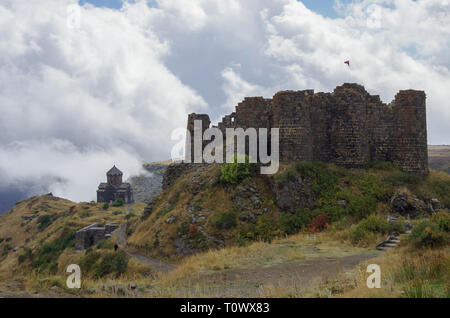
[[93, 234], [348, 127]]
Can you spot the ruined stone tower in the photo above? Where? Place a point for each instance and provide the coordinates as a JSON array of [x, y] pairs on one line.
[[348, 126]]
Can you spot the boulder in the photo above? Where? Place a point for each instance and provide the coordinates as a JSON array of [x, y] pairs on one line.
[[171, 219], [147, 210], [435, 204], [409, 205], [248, 217], [294, 195]]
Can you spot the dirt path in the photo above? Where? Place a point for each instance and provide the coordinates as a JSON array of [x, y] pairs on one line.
[[158, 265], [299, 273]]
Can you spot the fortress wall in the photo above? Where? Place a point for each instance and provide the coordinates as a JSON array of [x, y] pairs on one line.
[[349, 127], [292, 114], [379, 129], [189, 156], [321, 104], [349, 140], [253, 112], [409, 141]]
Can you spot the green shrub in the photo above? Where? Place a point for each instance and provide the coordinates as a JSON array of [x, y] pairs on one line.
[[362, 206], [265, 229], [184, 227], [224, 220], [26, 255], [240, 240], [85, 214], [371, 187], [288, 175], [117, 212], [89, 260], [371, 224], [6, 249], [105, 244], [397, 226], [1, 239], [199, 241], [49, 253], [105, 206], [44, 221], [173, 200], [323, 180], [112, 263], [129, 216], [398, 178], [442, 219], [428, 234], [236, 172], [291, 223], [198, 205], [118, 202]]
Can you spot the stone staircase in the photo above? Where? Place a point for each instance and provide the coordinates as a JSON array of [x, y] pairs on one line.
[[393, 240]]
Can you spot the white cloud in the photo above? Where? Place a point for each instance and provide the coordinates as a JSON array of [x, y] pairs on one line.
[[117, 86], [101, 86], [62, 168]]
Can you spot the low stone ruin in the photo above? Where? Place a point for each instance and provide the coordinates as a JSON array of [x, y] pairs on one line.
[[92, 234]]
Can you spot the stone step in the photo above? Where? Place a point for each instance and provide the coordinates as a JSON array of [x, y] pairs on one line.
[[390, 245], [382, 248], [394, 241]]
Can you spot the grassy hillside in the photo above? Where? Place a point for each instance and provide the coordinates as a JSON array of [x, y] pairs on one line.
[[37, 234], [199, 211], [230, 231]]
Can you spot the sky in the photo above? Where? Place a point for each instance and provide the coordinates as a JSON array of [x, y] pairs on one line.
[[90, 84]]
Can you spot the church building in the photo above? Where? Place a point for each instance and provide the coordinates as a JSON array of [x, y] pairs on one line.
[[114, 188]]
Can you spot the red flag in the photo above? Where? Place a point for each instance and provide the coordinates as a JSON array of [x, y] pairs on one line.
[[347, 62]]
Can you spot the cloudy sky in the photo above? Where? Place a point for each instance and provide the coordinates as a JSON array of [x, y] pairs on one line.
[[89, 84]]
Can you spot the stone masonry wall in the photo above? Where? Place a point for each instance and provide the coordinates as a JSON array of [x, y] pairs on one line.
[[349, 126], [409, 141]]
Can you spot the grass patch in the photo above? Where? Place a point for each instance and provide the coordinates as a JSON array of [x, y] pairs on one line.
[[235, 172], [113, 264], [44, 221], [46, 258], [118, 202], [292, 223], [431, 233], [224, 220], [129, 216], [105, 244]]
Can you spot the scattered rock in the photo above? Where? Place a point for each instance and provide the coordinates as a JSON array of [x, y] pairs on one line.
[[133, 286], [294, 195], [248, 217], [409, 205], [342, 203], [147, 211], [435, 204], [408, 226], [171, 219], [120, 289], [54, 288], [183, 247], [256, 202]]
